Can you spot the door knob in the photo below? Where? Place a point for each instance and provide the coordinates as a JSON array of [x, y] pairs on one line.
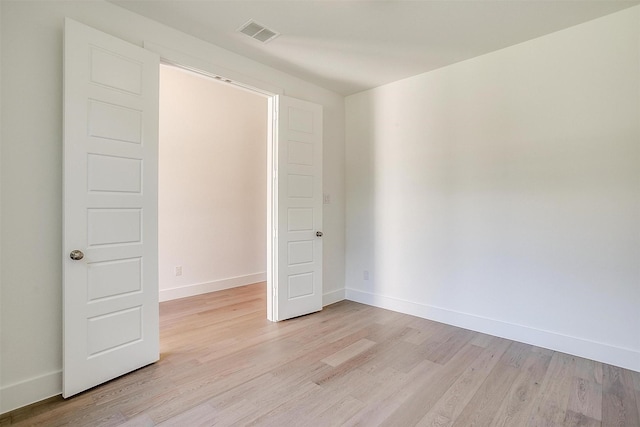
[[76, 255], [319, 233]]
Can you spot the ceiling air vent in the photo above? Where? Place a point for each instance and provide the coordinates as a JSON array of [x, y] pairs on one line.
[[258, 32]]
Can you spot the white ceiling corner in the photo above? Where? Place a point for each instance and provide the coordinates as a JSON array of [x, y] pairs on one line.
[[350, 46]]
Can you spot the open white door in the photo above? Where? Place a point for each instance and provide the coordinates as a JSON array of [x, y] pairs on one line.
[[110, 267], [297, 209]]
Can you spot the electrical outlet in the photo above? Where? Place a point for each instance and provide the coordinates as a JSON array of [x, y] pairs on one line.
[[365, 275], [179, 270]]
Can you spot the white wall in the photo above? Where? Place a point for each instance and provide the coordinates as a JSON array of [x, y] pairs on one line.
[[212, 196], [502, 194], [32, 175]]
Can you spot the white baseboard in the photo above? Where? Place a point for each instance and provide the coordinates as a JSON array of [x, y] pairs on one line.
[[332, 297], [203, 288], [14, 396], [601, 352]]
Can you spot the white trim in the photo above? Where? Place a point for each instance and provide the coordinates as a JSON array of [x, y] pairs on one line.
[[217, 285], [23, 393], [205, 67], [601, 352], [332, 297], [272, 208]]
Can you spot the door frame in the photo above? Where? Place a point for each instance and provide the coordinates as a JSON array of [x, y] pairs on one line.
[[207, 69]]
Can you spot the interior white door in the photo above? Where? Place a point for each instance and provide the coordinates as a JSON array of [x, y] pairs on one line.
[[110, 295], [298, 230]]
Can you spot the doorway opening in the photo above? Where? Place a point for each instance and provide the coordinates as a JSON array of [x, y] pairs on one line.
[[212, 198], [110, 296]]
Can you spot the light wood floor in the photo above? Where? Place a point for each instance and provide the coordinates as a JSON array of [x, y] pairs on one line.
[[224, 364]]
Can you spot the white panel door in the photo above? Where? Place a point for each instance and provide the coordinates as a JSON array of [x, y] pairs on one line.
[[299, 208], [110, 291]]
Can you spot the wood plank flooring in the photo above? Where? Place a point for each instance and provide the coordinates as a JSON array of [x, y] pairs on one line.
[[223, 363]]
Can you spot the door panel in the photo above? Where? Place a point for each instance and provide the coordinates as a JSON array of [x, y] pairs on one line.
[[299, 208], [110, 296]]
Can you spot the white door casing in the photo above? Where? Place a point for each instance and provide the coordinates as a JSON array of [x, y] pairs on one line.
[[297, 209], [110, 296]]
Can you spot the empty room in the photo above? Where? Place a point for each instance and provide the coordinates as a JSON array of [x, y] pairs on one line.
[[440, 206]]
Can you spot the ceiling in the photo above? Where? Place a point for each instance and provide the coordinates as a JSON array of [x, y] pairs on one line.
[[350, 46]]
